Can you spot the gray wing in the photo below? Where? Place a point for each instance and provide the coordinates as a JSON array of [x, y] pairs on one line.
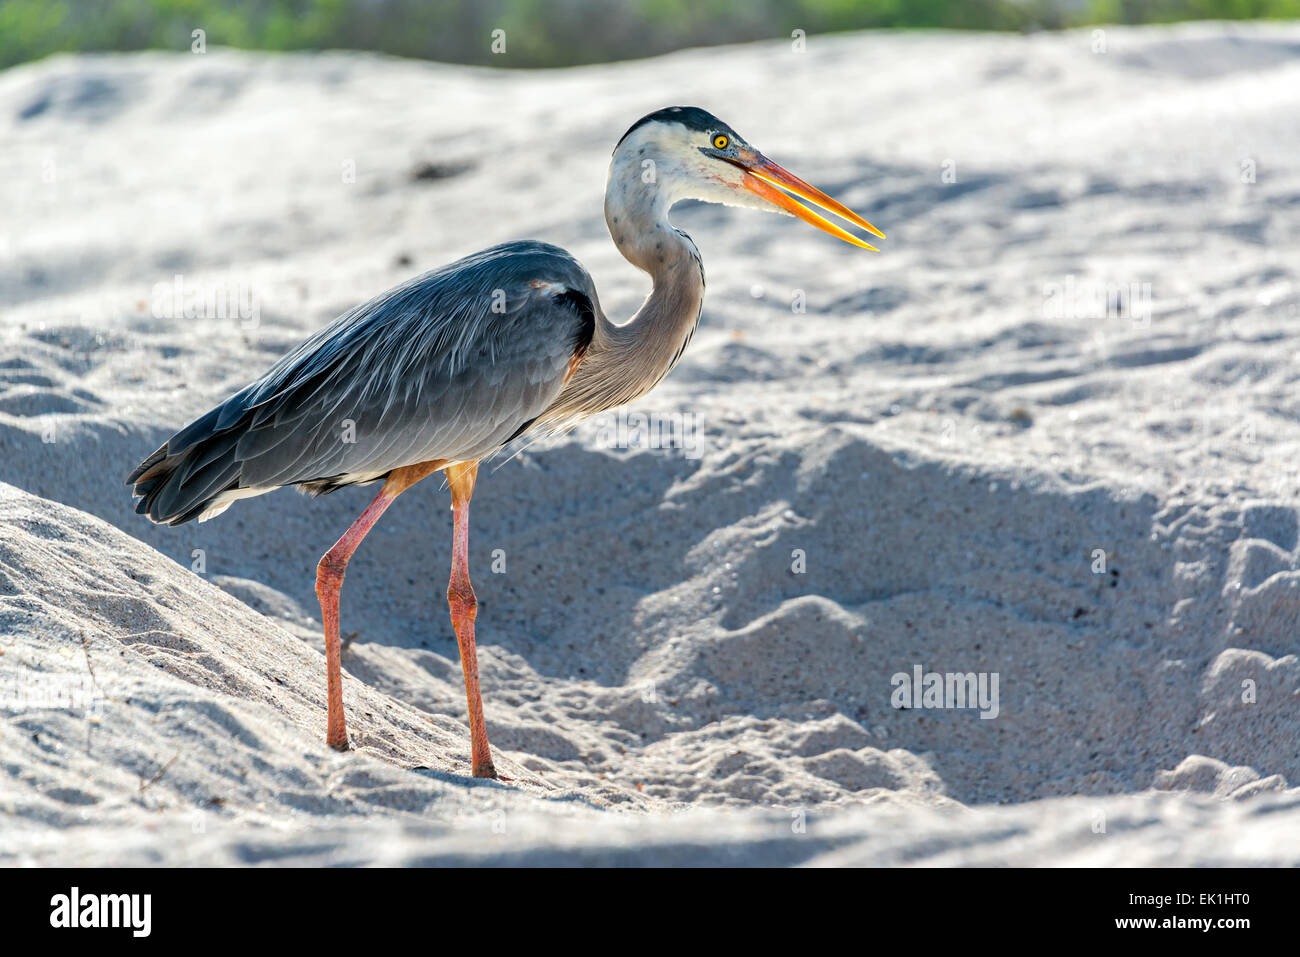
[[451, 365]]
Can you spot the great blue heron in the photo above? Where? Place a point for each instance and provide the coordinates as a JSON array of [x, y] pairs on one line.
[[449, 367]]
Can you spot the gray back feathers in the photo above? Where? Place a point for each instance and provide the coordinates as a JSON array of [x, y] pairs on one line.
[[450, 365]]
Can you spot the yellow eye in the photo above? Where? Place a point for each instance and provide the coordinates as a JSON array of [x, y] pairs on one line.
[[720, 142]]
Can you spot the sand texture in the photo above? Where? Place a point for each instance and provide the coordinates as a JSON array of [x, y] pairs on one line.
[[946, 455]]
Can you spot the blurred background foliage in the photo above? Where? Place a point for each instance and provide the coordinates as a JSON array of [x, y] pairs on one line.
[[544, 33]]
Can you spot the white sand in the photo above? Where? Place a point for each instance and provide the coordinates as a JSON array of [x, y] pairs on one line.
[[944, 446]]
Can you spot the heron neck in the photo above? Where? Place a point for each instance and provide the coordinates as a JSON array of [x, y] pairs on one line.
[[626, 361], [650, 343]]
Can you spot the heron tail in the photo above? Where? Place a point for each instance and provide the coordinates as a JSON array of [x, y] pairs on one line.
[[175, 488]]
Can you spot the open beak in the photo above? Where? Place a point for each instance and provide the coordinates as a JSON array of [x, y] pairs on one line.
[[766, 179]]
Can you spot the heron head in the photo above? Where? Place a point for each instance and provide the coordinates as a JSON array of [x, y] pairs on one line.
[[683, 152]]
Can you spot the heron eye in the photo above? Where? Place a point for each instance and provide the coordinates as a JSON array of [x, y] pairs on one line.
[[720, 142]]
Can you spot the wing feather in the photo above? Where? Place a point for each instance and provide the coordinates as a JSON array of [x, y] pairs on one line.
[[450, 365]]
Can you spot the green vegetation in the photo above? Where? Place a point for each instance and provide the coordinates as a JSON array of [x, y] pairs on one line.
[[542, 32]]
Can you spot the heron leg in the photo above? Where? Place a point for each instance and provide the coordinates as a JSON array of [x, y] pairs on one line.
[[464, 607], [329, 581]]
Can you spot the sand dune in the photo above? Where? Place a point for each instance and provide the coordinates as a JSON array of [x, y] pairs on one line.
[[1049, 434]]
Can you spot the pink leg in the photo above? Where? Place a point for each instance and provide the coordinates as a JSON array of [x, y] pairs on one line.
[[464, 608], [329, 580]]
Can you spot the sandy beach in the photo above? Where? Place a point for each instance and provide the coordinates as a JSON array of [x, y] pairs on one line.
[[1048, 436]]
